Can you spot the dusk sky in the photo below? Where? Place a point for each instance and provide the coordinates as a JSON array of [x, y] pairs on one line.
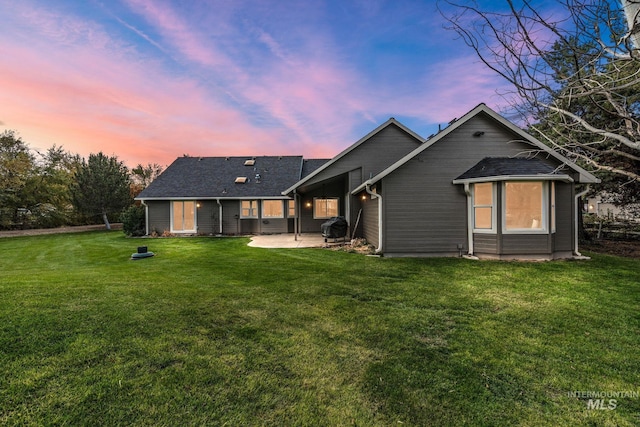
[[151, 80]]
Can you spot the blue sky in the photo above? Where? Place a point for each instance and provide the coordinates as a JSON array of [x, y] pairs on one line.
[[149, 81]]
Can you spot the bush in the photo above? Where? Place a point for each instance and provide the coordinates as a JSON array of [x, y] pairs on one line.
[[133, 221]]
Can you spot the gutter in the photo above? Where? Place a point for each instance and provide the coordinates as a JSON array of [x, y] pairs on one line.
[[367, 188], [467, 191], [575, 221], [219, 213], [296, 219], [146, 217]]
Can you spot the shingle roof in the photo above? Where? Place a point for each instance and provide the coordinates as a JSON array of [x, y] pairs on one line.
[[212, 177], [310, 165], [507, 166]]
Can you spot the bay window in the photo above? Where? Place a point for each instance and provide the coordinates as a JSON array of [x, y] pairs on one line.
[[483, 207], [524, 206]]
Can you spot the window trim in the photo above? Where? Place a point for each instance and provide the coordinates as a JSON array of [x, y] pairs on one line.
[[281, 209], [337, 199], [253, 207], [195, 217], [493, 207], [544, 220]]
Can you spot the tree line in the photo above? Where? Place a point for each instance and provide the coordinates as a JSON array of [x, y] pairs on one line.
[[59, 188]]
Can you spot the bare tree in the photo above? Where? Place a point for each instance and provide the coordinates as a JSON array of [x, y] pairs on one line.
[[574, 74]]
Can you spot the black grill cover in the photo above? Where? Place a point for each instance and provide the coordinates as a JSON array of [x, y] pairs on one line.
[[334, 227]]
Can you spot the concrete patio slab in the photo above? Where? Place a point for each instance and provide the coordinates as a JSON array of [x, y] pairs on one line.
[[287, 241]]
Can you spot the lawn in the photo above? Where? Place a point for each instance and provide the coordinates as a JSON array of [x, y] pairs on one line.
[[212, 332]]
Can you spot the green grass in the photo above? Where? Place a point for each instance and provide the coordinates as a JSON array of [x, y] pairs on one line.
[[212, 332]]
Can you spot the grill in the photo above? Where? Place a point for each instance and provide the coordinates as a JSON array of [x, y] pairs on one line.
[[334, 228]]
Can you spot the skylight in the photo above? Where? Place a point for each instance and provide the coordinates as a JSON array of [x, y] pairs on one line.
[[249, 162], [241, 180]]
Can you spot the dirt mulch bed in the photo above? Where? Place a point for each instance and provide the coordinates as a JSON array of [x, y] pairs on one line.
[[58, 230], [623, 248]]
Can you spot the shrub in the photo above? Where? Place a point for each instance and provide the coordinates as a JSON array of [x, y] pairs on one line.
[[133, 221]]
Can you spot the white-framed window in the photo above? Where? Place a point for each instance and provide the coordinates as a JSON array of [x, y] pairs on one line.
[[272, 209], [484, 217], [525, 207], [248, 209], [183, 216], [325, 208], [291, 208]]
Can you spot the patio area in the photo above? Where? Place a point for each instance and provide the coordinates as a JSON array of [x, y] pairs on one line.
[[308, 240]]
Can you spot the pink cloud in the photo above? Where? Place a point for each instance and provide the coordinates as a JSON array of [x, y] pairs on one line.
[[73, 83]]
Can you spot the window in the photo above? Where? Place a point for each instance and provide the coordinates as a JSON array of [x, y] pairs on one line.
[[483, 217], [325, 208], [291, 206], [272, 209], [183, 216], [524, 206], [249, 209]]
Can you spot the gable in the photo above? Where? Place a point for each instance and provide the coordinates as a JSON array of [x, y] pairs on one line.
[[482, 133], [371, 155]]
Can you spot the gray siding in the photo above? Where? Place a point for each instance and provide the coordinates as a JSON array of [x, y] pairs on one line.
[[208, 217], [369, 220], [159, 216], [424, 212], [564, 237], [371, 157], [249, 226], [230, 213], [526, 244], [485, 243], [273, 225]]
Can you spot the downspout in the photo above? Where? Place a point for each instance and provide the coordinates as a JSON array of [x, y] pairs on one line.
[[467, 191], [575, 221], [220, 213], [146, 217], [295, 216], [367, 188]]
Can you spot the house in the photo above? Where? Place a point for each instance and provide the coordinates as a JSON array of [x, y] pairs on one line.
[[480, 187], [224, 195], [601, 206]]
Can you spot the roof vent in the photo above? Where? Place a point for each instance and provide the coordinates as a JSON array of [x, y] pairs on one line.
[[241, 180], [249, 162]]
